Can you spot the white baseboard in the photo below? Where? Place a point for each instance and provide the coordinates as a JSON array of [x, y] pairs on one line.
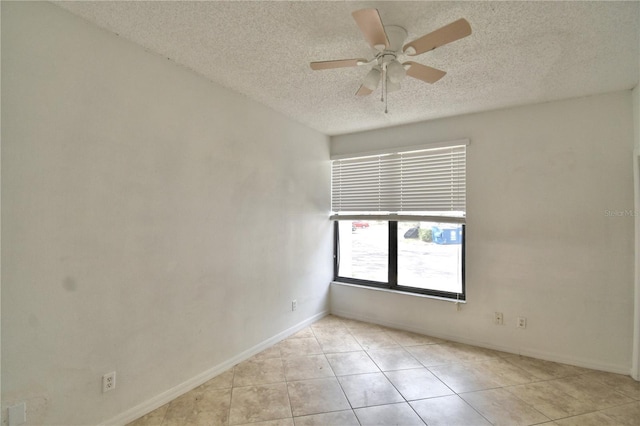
[[184, 387], [547, 356]]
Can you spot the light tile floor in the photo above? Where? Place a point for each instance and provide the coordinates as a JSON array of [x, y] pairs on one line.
[[345, 372]]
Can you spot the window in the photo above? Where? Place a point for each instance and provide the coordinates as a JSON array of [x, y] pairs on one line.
[[400, 219]]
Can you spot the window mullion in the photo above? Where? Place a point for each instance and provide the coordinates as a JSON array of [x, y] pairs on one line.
[[393, 254], [336, 250]]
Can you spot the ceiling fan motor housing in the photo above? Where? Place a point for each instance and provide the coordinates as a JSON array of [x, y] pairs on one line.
[[396, 36]]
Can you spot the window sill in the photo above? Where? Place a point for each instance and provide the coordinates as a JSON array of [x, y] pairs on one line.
[[404, 293]]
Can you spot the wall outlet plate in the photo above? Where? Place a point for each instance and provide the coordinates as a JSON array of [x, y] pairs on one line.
[[109, 382], [522, 322]]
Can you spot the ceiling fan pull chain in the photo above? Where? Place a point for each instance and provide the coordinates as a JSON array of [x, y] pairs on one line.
[[386, 98]]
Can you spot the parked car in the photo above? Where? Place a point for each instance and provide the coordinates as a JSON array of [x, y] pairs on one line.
[[413, 232], [359, 224]]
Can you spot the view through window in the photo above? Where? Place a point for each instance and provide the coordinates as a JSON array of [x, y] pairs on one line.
[[429, 254], [364, 250]]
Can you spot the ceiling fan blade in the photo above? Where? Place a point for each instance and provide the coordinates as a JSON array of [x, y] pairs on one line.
[[452, 32], [370, 24], [363, 91], [341, 63], [423, 72]]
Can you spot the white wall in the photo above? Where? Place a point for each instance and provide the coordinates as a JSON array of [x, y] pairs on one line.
[[540, 180], [153, 223], [0, 227], [635, 369]]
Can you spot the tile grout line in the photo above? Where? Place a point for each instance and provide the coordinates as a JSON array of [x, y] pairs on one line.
[[286, 385], [233, 378], [342, 388]]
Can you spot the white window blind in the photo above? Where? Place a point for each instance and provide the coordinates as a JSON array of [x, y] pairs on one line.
[[430, 180]]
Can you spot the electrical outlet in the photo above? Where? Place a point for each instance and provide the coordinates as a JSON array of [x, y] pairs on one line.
[[294, 304], [498, 318], [522, 322], [109, 382]]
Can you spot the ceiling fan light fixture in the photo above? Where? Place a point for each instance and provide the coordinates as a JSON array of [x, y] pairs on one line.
[[391, 86], [372, 79], [395, 71]]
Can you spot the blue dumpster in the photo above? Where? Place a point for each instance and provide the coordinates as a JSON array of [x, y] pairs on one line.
[[451, 235]]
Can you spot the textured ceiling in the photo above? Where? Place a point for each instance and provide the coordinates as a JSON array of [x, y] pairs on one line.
[[518, 53]]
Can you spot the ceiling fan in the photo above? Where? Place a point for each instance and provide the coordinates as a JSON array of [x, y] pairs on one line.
[[388, 51]]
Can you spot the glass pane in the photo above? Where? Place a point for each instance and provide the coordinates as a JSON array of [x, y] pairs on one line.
[[430, 256], [364, 250]]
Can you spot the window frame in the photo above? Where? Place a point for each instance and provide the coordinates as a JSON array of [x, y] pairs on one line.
[[374, 202], [392, 263]]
